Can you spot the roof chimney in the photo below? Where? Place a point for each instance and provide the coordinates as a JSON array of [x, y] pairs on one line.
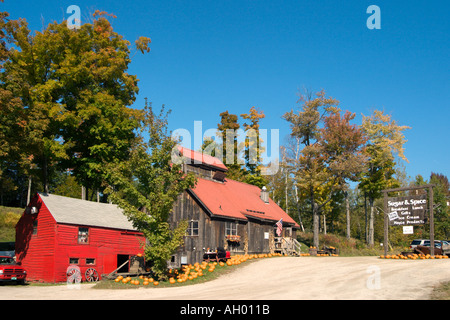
[[264, 195]]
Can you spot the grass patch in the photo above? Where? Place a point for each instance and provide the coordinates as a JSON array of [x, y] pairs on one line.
[[441, 292]]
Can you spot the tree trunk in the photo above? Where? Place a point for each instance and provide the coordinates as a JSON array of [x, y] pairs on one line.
[[370, 239], [316, 224], [298, 208], [45, 175], [29, 190], [286, 192], [347, 205]]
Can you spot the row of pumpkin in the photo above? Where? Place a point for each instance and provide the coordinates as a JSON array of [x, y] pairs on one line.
[[193, 271]]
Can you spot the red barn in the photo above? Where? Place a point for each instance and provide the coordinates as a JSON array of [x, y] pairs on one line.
[[55, 232]]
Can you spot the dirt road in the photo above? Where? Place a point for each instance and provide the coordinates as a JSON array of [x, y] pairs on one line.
[[302, 278]]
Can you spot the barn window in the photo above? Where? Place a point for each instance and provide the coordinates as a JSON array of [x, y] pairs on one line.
[[90, 261], [73, 260], [192, 228], [83, 235], [230, 229]]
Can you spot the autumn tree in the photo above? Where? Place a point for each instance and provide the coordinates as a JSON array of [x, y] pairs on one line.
[[327, 158], [344, 147], [384, 146], [76, 95]]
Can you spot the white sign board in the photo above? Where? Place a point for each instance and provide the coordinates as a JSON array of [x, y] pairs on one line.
[[408, 230]]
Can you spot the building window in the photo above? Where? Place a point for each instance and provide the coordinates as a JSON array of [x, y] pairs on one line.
[[192, 228], [83, 235], [230, 229], [73, 260], [35, 224], [90, 261]]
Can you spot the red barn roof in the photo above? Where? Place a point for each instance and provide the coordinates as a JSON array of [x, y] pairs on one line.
[[230, 198], [196, 157], [238, 200]]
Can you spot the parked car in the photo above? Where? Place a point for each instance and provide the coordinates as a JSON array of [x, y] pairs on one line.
[[437, 243], [440, 248], [418, 242], [11, 271]]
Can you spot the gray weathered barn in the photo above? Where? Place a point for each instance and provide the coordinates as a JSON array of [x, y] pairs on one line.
[[236, 216]]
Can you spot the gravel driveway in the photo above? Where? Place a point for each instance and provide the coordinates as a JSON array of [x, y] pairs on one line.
[[287, 278]]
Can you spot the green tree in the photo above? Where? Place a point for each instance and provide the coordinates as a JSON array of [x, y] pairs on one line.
[[441, 196], [231, 150], [146, 187], [253, 148]]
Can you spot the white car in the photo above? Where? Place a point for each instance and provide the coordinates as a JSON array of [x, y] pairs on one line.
[[417, 242]]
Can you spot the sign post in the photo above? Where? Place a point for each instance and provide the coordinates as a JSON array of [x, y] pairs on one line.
[[408, 211]]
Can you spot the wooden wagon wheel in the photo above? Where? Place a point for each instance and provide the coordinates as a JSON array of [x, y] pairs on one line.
[[91, 275], [73, 274]]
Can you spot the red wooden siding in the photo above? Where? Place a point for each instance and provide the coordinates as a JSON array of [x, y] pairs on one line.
[[46, 255], [36, 251], [104, 246]]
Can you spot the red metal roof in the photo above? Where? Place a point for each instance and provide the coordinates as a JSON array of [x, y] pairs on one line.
[[196, 157], [233, 199]]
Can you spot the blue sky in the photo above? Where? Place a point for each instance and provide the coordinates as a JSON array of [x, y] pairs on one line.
[[210, 56]]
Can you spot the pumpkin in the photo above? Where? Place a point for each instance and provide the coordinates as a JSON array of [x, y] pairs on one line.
[[145, 283], [155, 283], [172, 280]]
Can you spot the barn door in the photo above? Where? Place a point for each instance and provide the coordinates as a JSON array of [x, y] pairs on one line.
[[121, 259]]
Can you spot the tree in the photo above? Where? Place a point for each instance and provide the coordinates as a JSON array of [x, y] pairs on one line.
[[331, 151], [441, 196], [385, 143], [228, 129], [253, 148], [146, 187], [344, 146], [75, 93]]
